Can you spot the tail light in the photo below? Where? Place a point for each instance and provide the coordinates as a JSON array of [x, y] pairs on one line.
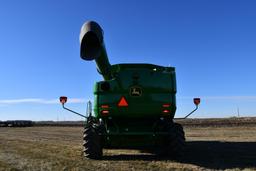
[[165, 111], [104, 112], [166, 105], [105, 106]]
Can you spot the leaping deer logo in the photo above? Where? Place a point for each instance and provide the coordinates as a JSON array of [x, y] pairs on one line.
[[136, 91]]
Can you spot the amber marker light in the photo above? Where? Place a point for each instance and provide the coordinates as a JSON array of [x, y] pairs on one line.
[[63, 100], [197, 101]]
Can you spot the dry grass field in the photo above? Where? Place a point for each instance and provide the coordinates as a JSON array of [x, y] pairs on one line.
[[60, 148]]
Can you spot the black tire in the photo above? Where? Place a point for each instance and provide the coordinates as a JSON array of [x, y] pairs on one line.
[[175, 140], [92, 145]]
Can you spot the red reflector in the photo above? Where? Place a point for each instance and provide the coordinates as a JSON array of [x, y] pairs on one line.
[[166, 105], [197, 101], [166, 111], [63, 99], [122, 102], [104, 106], [104, 112]]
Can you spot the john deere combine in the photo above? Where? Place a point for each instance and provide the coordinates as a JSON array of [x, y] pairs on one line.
[[134, 105]]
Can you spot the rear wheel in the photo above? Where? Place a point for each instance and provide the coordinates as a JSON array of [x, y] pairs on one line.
[[175, 140], [92, 145]]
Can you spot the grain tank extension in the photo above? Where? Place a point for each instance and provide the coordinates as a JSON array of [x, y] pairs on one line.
[[134, 105]]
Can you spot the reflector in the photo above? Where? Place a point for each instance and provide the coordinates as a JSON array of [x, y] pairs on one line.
[[122, 102], [197, 101], [63, 99]]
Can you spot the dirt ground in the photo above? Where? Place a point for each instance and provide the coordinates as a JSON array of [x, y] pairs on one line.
[[60, 148]]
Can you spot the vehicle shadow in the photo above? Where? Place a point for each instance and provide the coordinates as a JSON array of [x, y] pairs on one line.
[[208, 154]]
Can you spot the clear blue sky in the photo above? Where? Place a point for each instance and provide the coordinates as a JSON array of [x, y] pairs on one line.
[[212, 44]]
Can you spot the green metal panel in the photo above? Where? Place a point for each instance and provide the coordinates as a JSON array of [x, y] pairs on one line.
[[156, 84], [134, 132], [132, 141]]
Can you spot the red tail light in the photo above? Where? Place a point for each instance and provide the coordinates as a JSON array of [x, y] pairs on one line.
[[165, 111], [104, 112], [105, 106], [166, 105], [122, 102]]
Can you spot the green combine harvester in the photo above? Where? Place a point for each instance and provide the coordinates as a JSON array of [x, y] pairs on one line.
[[134, 106]]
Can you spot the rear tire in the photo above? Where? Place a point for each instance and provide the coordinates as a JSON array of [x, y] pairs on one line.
[[175, 140], [92, 145]]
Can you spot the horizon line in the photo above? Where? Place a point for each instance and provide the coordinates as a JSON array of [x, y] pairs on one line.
[[83, 100]]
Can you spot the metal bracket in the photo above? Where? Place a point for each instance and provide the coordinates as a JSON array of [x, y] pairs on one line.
[[191, 112], [73, 111], [196, 102]]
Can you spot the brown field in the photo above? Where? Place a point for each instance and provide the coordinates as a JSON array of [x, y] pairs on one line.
[[213, 147]]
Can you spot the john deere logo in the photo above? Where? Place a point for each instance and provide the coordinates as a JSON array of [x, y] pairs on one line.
[[135, 91]]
